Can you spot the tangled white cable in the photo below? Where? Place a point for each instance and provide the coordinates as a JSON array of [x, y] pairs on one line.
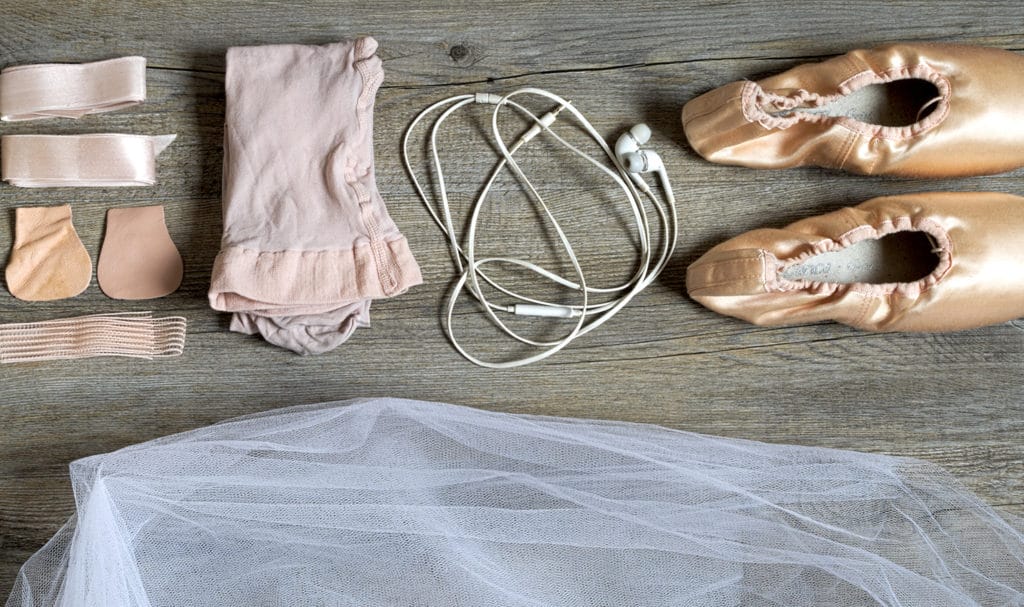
[[588, 316]]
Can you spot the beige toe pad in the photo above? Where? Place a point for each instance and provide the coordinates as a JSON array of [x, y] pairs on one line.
[[138, 259], [48, 260]]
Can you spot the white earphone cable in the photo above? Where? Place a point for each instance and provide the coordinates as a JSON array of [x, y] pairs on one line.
[[588, 316]]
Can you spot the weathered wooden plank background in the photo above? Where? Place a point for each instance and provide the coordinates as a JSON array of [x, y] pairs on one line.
[[952, 399]]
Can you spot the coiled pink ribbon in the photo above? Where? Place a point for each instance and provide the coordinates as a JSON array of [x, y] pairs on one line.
[[102, 160], [29, 92]]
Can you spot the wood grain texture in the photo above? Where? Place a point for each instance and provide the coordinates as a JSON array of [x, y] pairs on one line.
[[952, 399]]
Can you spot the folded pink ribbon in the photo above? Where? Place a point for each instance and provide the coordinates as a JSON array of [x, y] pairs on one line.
[[101, 160], [29, 92], [307, 239]]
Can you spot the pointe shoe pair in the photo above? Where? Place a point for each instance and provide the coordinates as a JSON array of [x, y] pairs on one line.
[[919, 262]]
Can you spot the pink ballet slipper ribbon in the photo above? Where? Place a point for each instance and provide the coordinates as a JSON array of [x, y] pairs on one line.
[[102, 160], [30, 92]]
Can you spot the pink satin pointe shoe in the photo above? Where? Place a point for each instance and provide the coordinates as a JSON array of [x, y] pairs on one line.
[[916, 262], [917, 110]]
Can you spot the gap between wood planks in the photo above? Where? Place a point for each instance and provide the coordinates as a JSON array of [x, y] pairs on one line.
[[572, 70]]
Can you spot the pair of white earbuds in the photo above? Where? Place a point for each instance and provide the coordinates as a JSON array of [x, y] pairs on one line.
[[656, 223], [636, 160]]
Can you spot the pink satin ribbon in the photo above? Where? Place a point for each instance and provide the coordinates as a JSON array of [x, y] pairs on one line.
[[102, 160], [29, 92]]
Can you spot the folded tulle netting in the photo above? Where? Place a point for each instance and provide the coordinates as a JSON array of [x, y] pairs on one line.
[[397, 502]]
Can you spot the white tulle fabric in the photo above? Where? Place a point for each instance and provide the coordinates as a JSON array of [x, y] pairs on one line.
[[395, 502]]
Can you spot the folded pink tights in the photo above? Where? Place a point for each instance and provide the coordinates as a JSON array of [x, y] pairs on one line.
[[307, 240]]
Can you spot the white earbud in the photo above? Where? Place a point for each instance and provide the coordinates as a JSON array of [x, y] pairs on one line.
[[629, 143], [644, 161], [631, 140], [637, 161]]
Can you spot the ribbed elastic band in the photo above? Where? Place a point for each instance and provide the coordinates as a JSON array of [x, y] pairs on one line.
[[133, 335]]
